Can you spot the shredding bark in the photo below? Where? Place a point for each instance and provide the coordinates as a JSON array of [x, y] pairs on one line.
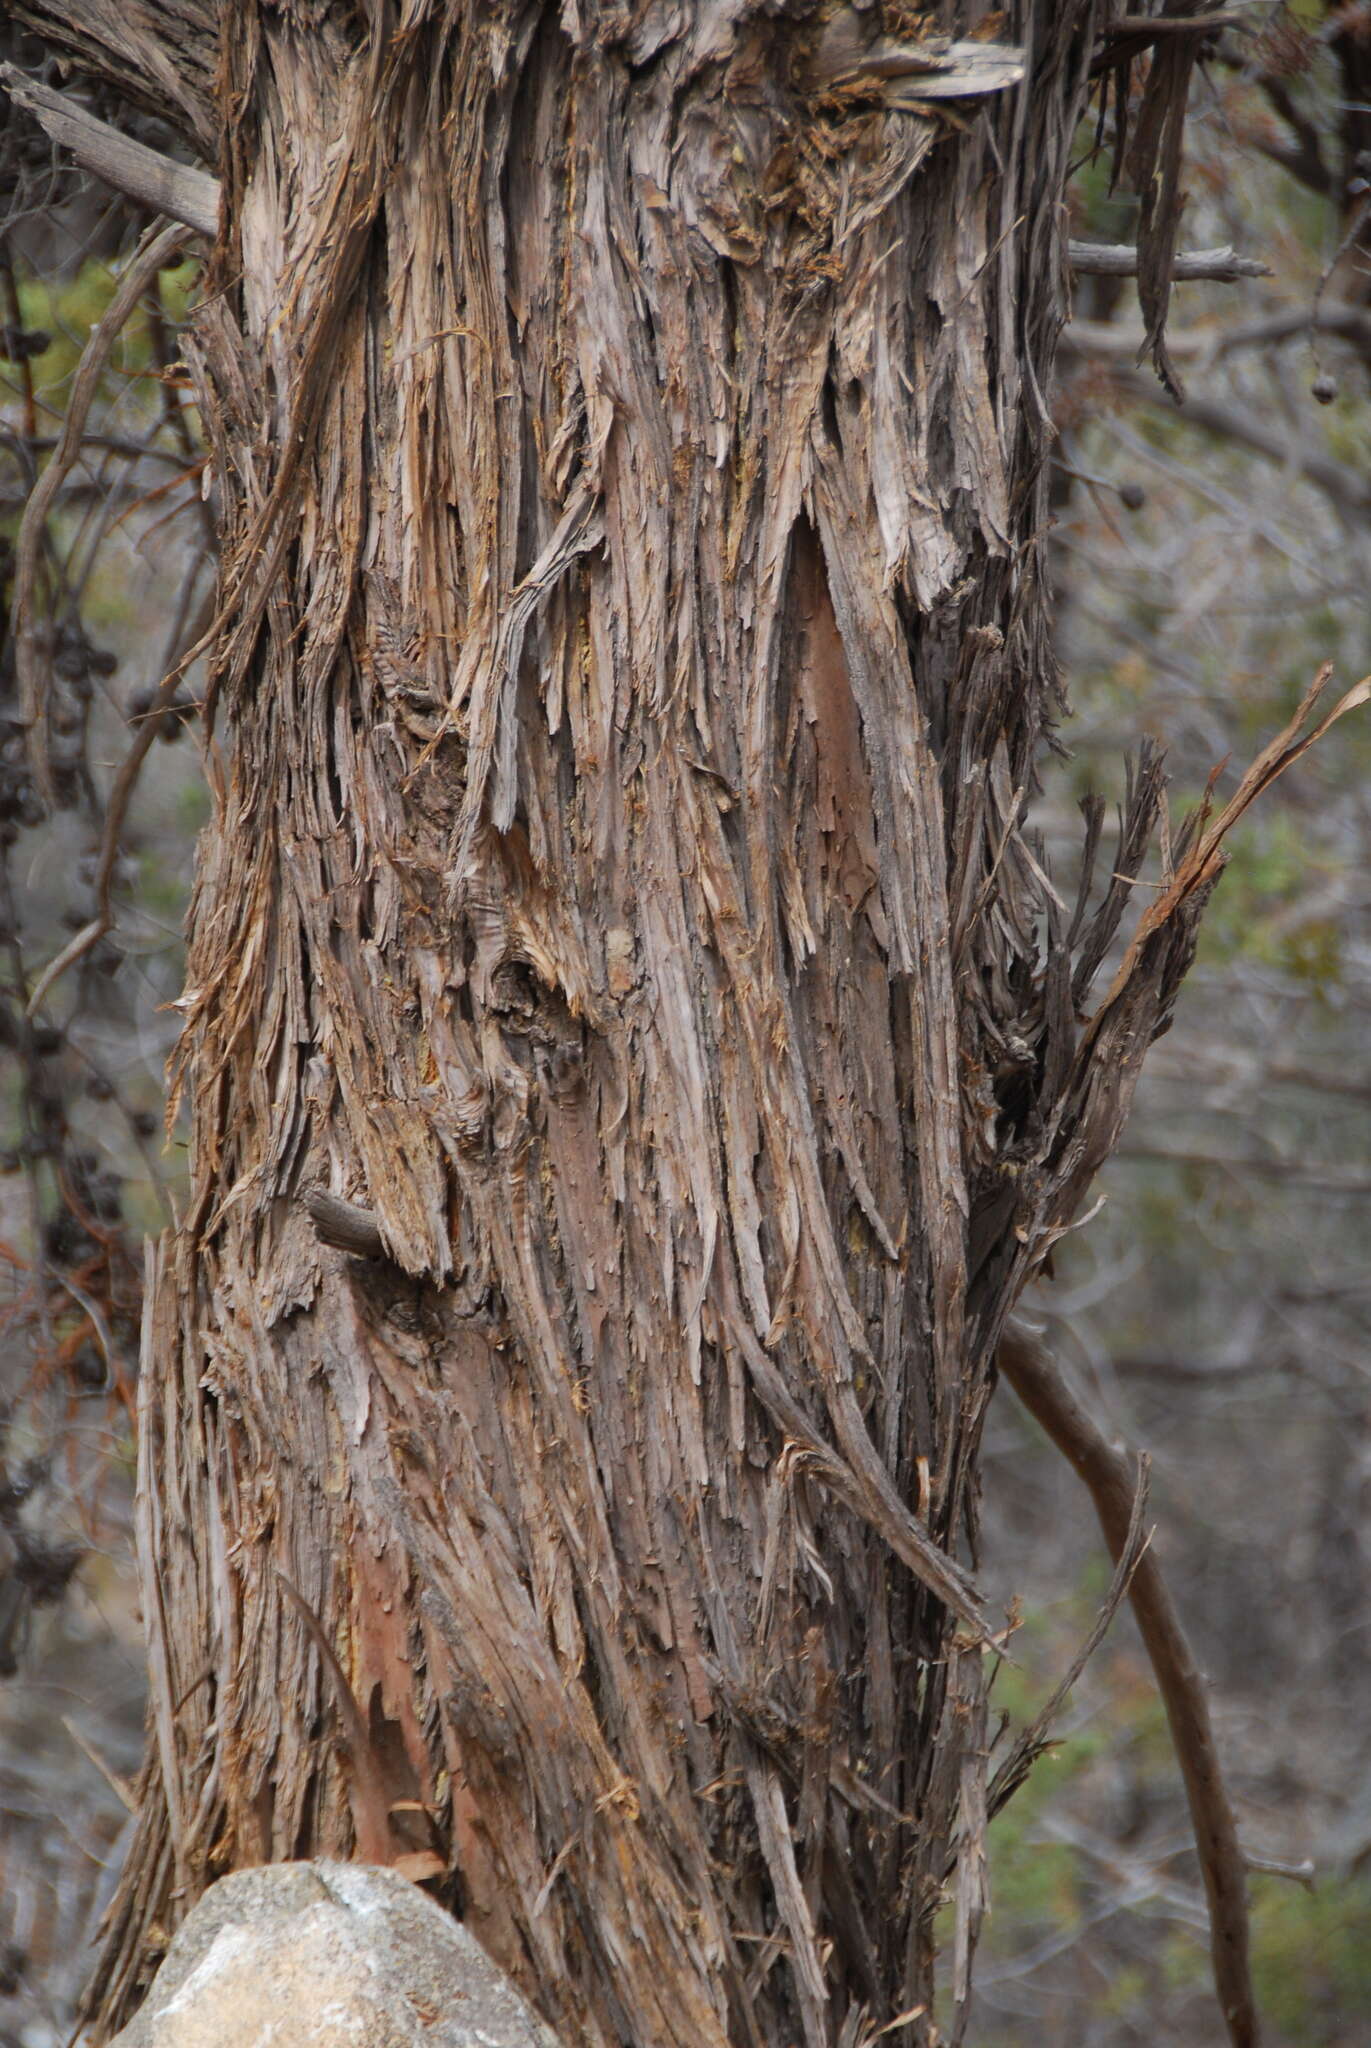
[[631, 665]]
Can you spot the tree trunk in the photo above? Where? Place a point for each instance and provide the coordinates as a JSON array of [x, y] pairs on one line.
[[629, 431]]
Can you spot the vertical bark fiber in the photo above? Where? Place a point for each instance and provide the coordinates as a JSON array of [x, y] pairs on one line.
[[629, 428]]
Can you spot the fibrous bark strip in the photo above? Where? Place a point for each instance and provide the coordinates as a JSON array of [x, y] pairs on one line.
[[630, 437]]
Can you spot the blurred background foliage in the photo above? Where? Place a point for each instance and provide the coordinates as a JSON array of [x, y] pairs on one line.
[[1206, 559]]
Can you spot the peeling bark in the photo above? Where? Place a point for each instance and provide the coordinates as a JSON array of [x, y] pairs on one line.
[[632, 663]]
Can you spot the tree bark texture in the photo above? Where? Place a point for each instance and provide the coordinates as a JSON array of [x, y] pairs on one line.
[[630, 433]]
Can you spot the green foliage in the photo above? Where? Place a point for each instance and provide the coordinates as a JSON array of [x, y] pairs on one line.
[[1312, 1960], [1036, 1882], [1254, 913], [67, 311]]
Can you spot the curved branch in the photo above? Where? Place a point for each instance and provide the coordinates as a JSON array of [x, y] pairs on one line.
[[1129, 35], [1114, 338], [1107, 1474], [1344, 486]]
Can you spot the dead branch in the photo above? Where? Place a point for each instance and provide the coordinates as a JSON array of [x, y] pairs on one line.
[[159, 55], [177, 190], [370, 1805], [1204, 857], [1301, 1873], [1120, 259], [1105, 1470], [1304, 160], [1152, 26], [1261, 1073], [1132, 1013], [1130, 35], [1328, 1180], [345, 1225]]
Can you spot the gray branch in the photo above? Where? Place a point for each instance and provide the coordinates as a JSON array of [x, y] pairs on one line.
[[183, 194], [1120, 259]]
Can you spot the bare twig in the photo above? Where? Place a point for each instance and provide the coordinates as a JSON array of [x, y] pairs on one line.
[[1361, 214], [1328, 1179], [1130, 35], [154, 251], [176, 190], [149, 726], [1037, 1736], [1120, 259], [1305, 162], [123, 1791], [1153, 25], [1201, 1372], [1302, 1873], [116, 811], [1106, 1471], [14, 313], [1257, 1073]]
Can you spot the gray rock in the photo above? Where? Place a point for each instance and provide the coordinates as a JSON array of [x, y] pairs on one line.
[[328, 1955]]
